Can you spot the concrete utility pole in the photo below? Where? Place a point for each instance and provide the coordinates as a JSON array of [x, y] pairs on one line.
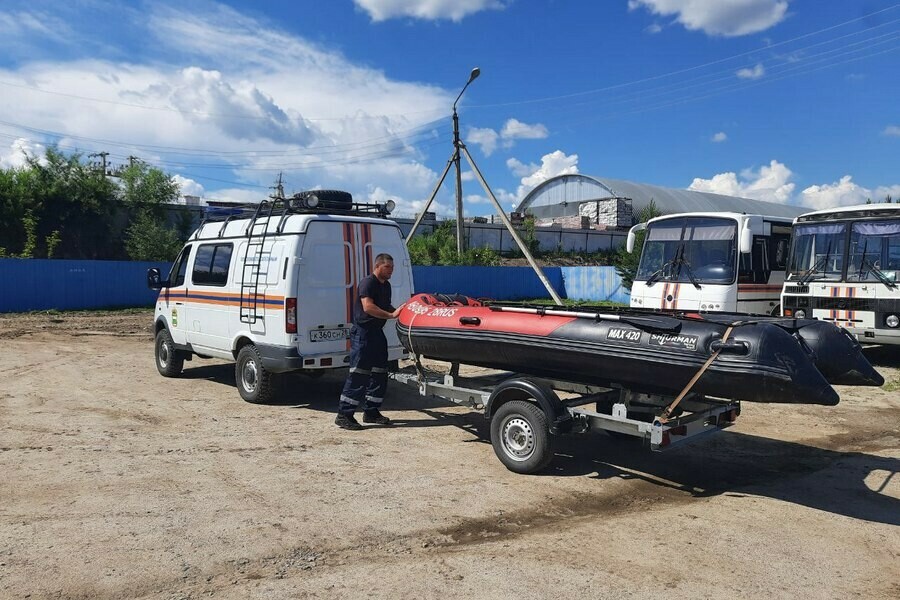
[[131, 160]]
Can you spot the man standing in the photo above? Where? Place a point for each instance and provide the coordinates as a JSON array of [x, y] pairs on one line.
[[367, 381]]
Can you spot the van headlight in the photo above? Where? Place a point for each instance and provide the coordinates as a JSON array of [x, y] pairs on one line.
[[892, 321], [389, 207], [800, 313], [312, 201]]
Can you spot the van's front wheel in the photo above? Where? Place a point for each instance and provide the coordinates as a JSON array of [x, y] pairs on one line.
[[254, 382], [169, 361]]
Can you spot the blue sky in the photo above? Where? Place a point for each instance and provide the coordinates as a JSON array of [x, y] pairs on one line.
[[794, 101]]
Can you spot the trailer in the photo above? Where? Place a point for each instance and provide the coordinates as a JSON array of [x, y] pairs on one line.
[[527, 413]]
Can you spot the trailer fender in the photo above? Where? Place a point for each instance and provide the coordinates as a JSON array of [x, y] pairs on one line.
[[532, 390]]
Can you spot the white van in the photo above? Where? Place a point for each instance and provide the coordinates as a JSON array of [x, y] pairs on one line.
[[273, 288]]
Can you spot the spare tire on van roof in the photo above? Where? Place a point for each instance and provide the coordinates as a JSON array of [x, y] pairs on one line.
[[332, 199]]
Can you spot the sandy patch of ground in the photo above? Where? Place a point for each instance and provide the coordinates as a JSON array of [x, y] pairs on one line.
[[119, 483]]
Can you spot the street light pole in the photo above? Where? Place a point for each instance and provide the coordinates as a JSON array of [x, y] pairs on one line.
[[460, 230]]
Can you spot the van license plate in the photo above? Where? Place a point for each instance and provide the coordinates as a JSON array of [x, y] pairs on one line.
[[328, 335]]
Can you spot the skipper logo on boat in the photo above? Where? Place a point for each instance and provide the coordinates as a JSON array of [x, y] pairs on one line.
[[421, 309], [686, 342], [624, 335]]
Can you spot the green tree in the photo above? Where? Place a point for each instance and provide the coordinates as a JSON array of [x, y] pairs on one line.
[[148, 238], [627, 262], [439, 248], [144, 186]]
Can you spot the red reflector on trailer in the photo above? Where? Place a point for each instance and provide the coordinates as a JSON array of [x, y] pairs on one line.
[[326, 362], [290, 315], [309, 361]]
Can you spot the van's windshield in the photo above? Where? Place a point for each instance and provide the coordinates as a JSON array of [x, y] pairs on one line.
[[680, 248]]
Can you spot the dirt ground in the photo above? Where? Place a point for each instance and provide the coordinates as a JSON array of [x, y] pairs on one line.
[[119, 483]]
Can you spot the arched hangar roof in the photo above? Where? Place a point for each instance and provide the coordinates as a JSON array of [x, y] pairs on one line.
[[561, 195]]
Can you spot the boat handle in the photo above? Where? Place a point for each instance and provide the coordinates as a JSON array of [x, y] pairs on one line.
[[470, 320], [730, 346]]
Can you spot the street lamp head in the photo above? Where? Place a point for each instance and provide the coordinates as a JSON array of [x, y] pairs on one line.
[[472, 77]]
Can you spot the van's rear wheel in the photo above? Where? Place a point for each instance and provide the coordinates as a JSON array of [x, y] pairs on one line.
[[169, 361], [255, 384], [521, 437]]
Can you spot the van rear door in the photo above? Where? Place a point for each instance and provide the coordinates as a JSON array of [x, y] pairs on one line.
[[335, 256]]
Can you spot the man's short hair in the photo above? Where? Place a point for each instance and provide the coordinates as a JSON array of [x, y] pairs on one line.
[[383, 258]]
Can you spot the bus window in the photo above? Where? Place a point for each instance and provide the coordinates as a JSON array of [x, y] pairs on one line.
[[874, 248], [755, 266]]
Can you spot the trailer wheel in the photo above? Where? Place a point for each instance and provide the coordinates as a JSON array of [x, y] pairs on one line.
[[169, 361], [255, 384], [521, 437]]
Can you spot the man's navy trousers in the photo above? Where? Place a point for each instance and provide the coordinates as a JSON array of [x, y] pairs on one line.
[[367, 381]]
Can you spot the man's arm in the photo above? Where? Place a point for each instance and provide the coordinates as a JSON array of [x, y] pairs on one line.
[[371, 309]]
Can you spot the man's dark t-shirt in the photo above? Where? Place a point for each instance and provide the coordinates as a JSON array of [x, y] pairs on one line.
[[380, 293]]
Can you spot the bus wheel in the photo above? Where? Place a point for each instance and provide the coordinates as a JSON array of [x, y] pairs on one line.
[[255, 384], [521, 437]]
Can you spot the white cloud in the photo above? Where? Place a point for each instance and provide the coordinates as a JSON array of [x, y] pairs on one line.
[[485, 138], [520, 169], [514, 129], [719, 137], [263, 101], [653, 29], [553, 164], [188, 186], [844, 192], [756, 72], [769, 183], [891, 130], [727, 18], [21, 149], [454, 10]]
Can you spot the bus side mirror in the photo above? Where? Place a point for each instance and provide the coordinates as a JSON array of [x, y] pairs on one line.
[[629, 243], [155, 280], [746, 240]]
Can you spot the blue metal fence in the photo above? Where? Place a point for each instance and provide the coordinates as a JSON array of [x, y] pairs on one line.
[[37, 284], [41, 284]]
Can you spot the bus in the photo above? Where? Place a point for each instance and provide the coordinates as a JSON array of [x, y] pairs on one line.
[[711, 262], [844, 267]]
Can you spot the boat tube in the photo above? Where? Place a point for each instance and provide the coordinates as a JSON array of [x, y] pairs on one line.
[[761, 359]]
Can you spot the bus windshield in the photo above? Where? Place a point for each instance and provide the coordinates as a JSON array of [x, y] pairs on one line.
[[682, 248], [874, 251], [817, 252]]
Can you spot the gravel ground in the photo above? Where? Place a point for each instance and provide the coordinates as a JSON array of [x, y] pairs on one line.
[[120, 483]]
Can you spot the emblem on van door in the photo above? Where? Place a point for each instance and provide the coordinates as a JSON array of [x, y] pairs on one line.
[[174, 317]]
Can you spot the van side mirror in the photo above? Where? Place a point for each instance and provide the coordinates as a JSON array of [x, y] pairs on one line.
[[746, 240], [155, 280]]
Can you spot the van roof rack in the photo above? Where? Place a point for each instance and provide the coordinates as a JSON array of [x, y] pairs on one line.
[[325, 202]]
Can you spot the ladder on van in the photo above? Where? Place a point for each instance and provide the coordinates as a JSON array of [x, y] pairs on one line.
[[257, 232]]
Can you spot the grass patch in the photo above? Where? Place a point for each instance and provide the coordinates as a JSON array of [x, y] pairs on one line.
[[891, 386]]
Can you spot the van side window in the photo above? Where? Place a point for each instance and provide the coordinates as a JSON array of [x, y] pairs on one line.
[[179, 267], [211, 264]]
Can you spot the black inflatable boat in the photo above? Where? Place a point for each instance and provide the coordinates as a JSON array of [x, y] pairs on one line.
[[759, 359]]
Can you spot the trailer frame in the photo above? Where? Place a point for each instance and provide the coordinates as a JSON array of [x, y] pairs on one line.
[[526, 412]]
